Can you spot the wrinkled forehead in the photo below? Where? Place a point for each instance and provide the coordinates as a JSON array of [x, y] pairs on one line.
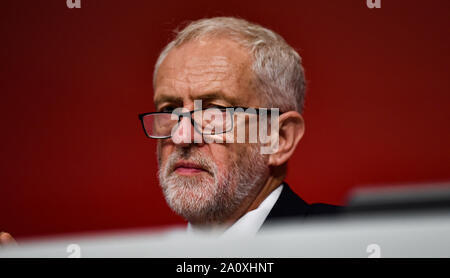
[[203, 67]]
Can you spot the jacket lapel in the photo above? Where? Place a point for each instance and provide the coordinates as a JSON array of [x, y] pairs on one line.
[[288, 205]]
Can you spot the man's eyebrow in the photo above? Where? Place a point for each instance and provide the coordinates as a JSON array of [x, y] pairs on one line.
[[167, 98], [216, 95]]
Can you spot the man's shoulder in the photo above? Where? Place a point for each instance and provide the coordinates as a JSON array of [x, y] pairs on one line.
[[290, 206]]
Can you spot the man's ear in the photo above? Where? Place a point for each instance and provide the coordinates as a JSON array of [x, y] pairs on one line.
[[291, 130]]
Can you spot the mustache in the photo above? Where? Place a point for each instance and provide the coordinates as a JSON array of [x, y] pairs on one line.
[[189, 155]]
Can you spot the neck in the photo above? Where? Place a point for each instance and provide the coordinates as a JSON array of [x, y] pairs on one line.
[[271, 184]]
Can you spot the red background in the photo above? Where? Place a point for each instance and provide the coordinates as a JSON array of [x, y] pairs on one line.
[[74, 157]]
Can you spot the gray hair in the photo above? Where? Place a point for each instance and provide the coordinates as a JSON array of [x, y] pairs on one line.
[[277, 67]]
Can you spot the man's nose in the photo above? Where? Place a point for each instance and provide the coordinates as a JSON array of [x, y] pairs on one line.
[[185, 134]]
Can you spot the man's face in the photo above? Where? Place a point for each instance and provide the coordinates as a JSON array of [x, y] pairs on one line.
[[207, 182]]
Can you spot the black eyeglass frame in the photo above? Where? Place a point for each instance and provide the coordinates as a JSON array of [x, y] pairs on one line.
[[189, 114]]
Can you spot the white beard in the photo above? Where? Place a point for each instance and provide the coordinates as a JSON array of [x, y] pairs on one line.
[[212, 196]]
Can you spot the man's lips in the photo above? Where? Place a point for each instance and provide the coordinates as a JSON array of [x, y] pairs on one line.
[[188, 168]]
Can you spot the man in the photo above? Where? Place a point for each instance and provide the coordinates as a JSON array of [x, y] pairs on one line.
[[229, 187], [232, 188]]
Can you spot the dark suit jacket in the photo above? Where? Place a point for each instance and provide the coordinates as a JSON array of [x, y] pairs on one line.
[[290, 206]]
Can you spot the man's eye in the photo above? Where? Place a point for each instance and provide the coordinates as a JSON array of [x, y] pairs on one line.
[[167, 109], [216, 106]]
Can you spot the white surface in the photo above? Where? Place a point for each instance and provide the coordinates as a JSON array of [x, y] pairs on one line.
[[426, 235]]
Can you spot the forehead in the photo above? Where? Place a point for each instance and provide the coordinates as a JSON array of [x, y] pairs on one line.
[[210, 65]]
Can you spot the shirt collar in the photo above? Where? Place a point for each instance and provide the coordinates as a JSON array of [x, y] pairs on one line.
[[250, 223]]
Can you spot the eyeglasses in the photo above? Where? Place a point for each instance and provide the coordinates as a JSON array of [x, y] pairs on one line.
[[207, 121]]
